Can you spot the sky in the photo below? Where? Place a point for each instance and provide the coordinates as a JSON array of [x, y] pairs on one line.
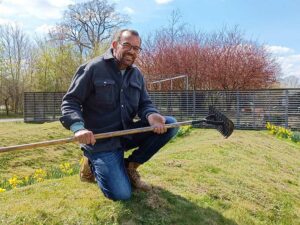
[[273, 23]]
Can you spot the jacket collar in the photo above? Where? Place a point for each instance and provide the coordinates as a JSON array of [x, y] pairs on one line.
[[108, 54]]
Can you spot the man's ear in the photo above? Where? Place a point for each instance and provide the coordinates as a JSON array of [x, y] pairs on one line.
[[114, 44]]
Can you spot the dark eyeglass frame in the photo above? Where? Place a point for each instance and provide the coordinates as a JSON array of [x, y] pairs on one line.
[[128, 47]]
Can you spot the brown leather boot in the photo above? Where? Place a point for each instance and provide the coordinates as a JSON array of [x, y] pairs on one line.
[[135, 177], [86, 175]]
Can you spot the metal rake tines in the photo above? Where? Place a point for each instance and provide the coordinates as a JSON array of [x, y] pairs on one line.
[[226, 126]]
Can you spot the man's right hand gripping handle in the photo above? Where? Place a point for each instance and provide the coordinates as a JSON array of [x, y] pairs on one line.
[[85, 137]]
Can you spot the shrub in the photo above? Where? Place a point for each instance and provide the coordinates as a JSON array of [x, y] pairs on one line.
[[295, 137]]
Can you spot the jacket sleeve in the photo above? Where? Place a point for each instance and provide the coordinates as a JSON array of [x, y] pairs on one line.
[[79, 90], [146, 106]]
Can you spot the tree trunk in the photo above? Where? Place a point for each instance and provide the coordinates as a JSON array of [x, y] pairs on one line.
[[6, 106]]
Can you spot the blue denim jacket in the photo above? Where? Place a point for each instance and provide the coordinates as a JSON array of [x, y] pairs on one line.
[[105, 100]]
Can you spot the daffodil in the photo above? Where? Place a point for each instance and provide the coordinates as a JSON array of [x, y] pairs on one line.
[[39, 175], [66, 168], [14, 181]]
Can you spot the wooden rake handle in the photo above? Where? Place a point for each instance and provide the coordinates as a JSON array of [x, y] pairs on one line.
[[97, 136]]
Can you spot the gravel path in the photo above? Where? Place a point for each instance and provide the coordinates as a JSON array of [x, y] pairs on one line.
[[12, 120]]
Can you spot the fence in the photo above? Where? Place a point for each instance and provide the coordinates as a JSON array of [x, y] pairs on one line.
[[247, 109], [42, 106]]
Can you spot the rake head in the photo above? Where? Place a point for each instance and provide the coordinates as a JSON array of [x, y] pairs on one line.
[[224, 125]]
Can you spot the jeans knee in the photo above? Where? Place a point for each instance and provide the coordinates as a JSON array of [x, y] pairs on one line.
[[119, 196], [117, 193], [170, 119]]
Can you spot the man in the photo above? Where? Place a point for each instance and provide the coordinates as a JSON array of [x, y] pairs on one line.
[[105, 95]]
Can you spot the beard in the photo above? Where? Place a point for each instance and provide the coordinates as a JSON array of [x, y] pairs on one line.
[[127, 59], [124, 59]]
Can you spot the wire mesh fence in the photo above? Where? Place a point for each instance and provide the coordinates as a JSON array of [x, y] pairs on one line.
[[247, 109], [42, 106]]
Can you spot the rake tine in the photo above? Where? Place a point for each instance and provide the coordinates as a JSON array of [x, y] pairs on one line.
[[226, 127]]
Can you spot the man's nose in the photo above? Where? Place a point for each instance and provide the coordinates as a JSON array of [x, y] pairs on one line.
[[132, 51]]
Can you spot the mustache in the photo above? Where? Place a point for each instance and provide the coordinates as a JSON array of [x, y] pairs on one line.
[[129, 54]]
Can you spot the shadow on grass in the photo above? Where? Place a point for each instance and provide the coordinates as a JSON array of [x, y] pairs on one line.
[[161, 207]]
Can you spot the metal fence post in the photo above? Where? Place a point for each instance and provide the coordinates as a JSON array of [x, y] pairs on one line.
[[34, 107], [253, 110], [238, 109], [286, 108], [194, 103]]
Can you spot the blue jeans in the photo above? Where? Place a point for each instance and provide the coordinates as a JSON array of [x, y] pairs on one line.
[[109, 166]]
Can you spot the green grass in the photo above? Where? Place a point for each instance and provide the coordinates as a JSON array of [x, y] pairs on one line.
[[10, 115], [25, 162], [250, 178]]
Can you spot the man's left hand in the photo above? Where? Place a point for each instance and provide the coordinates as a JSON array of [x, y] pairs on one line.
[[158, 122]]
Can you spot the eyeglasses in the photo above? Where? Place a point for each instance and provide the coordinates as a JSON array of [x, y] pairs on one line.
[[127, 46]]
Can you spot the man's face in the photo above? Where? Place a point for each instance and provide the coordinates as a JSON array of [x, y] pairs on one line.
[[127, 49]]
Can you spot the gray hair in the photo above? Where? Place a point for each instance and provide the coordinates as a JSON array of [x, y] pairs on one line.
[[118, 34]]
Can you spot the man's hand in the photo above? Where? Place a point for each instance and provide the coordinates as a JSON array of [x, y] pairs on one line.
[[85, 137], [158, 122]]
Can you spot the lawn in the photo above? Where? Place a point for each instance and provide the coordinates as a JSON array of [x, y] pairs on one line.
[[249, 178]]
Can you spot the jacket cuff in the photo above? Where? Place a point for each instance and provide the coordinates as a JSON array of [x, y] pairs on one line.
[[77, 126], [148, 113], [69, 119]]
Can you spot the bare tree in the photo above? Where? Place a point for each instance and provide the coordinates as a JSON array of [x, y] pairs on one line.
[[16, 47], [89, 24], [160, 53], [221, 60], [290, 82], [3, 83]]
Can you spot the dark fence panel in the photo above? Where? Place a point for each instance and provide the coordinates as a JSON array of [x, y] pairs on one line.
[[42, 106], [248, 109]]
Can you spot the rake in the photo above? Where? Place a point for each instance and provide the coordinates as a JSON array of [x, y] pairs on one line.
[[215, 118]]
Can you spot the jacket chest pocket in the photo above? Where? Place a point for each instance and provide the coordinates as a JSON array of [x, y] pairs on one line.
[[105, 93], [134, 89]]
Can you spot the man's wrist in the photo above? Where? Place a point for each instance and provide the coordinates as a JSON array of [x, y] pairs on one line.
[[77, 126], [148, 114]]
